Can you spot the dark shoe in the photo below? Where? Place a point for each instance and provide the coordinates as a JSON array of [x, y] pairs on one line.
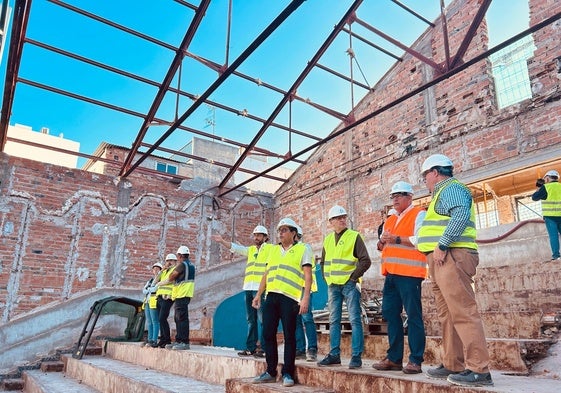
[[355, 362], [469, 378], [312, 355], [258, 353], [162, 344], [264, 378], [387, 365], [330, 360], [246, 352], [412, 368], [440, 372], [300, 354]]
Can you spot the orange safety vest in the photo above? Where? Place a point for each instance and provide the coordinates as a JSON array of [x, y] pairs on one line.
[[401, 259]]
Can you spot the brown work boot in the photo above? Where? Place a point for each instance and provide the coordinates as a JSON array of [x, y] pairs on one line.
[[387, 365], [412, 368]]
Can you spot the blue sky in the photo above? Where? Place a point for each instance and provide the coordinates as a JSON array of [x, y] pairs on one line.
[[278, 62]]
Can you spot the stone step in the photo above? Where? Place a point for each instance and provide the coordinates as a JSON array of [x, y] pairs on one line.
[[509, 355], [37, 381], [109, 375], [222, 366], [245, 386]]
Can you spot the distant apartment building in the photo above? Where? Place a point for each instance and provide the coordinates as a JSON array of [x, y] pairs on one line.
[[41, 146], [112, 158], [200, 158]]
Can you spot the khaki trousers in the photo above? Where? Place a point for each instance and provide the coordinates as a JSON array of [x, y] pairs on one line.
[[463, 337]]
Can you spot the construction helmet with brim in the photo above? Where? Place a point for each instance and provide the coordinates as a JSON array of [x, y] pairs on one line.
[[260, 229], [287, 222], [183, 250], [336, 211], [436, 160], [402, 186], [171, 257], [552, 173]]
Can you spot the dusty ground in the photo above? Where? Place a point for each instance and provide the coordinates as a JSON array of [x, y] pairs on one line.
[[550, 366]]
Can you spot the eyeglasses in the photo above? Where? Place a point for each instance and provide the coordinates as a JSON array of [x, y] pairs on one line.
[[283, 230], [425, 174], [398, 194]]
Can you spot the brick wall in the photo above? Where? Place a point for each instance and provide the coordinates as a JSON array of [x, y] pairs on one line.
[[458, 117], [66, 231]]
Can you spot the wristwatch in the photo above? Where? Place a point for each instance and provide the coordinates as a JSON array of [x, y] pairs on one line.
[[442, 248], [397, 240]]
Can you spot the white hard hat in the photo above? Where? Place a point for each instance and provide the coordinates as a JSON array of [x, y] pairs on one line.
[[402, 186], [336, 211], [260, 229], [552, 173], [435, 160], [392, 212], [158, 264], [171, 257], [183, 250], [287, 222]]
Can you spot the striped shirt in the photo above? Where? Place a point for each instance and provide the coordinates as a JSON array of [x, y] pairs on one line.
[[455, 202]]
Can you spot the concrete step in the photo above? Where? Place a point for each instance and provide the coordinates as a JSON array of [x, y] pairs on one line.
[[37, 381], [109, 375], [245, 386], [222, 366], [508, 355]]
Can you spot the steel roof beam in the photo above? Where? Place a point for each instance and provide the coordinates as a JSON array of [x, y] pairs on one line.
[[311, 64], [395, 42], [210, 161], [344, 77], [291, 7], [472, 31], [176, 63], [428, 22], [373, 45], [19, 27], [408, 95]]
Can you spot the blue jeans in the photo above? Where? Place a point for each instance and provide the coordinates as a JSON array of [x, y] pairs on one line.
[[254, 322], [152, 322], [306, 322], [281, 308], [404, 292], [351, 295], [553, 226]]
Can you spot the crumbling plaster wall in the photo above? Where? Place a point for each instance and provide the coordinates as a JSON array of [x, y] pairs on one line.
[[67, 231], [458, 117]]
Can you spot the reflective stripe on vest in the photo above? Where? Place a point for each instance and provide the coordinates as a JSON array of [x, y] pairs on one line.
[[186, 286], [435, 224], [256, 263], [339, 260], [165, 289], [401, 259], [551, 207], [285, 274]]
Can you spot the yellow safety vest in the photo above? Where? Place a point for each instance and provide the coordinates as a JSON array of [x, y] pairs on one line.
[[186, 287], [165, 289], [434, 226], [551, 207], [339, 261], [256, 263], [284, 272]]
